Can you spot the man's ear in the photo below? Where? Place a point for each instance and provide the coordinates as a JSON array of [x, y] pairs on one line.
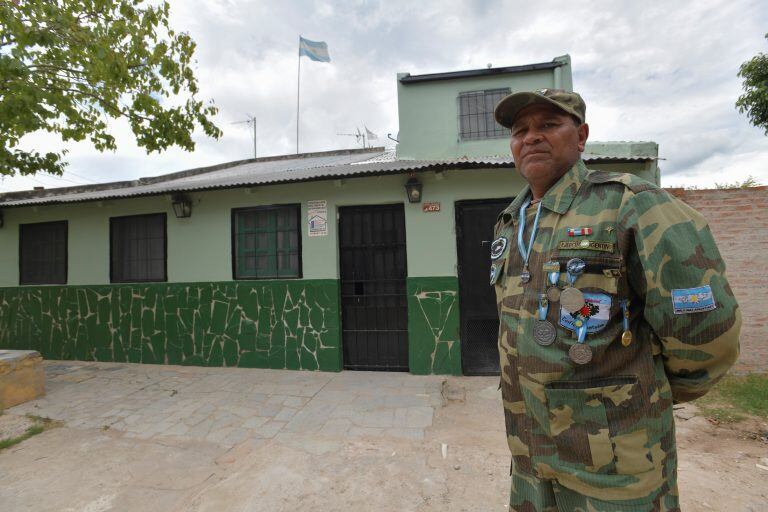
[[583, 131]]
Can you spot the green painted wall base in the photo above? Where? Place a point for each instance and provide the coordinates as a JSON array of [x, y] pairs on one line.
[[433, 325], [264, 324], [252, 324]]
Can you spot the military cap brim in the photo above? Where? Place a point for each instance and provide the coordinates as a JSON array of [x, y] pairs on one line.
[[510, 106]]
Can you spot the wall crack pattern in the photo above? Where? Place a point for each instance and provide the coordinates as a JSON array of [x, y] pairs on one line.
[[271, 324]]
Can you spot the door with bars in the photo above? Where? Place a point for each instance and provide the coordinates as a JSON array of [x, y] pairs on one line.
[[477, 300], [374, 305]]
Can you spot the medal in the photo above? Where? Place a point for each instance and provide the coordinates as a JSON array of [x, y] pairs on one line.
[[626, 338], [575, 268], [580, 353], [544, 333], [572, 299], [553, 294], [525, 251]]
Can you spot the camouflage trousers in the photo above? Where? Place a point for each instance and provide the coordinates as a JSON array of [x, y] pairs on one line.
[[531, 494]]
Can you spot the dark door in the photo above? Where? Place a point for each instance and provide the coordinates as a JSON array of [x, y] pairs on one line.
[[374, 307], [477, 314]]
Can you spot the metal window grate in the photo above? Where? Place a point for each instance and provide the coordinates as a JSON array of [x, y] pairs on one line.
[[43, 253], [476, 114], [138, 248], [267, 242]]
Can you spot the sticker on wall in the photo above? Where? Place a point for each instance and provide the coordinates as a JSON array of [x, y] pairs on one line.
[[317, 217]]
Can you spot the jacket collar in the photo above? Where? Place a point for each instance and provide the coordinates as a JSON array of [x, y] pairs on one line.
[[557, 199]]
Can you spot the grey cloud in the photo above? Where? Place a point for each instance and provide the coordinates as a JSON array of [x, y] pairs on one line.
[[663, 71]]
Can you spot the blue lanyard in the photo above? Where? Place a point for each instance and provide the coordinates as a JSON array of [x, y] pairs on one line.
[[525, 252]]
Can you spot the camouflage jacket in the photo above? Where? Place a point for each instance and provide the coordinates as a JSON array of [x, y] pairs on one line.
[[605, 428]]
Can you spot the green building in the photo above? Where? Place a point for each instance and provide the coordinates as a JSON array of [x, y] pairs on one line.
[[354, 259]]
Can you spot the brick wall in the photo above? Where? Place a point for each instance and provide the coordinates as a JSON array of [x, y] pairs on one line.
[[739, 220]]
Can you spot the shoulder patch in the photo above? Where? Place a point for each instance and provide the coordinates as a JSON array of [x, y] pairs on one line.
[[692, 300], [632, 182]]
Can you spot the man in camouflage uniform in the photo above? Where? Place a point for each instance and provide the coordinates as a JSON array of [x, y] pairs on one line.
[[620, 309]]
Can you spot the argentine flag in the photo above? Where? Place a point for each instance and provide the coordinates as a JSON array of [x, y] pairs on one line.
[[315, 50]]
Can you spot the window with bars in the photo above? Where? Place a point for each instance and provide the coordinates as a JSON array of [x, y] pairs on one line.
[[476, 115], [43, 253], [266, 242], [138, 248]]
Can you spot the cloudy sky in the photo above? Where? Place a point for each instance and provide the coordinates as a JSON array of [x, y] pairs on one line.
[[653, 70]]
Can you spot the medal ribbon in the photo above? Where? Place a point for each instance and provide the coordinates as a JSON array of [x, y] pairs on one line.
[[554, 278], [581, 330], [525, 252], [625, 311], [543, 306]]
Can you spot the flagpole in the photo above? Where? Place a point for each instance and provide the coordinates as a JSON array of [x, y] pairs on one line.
[[298, 91]]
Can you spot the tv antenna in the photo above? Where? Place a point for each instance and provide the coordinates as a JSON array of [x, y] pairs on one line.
[[251, 121], [359, 136]]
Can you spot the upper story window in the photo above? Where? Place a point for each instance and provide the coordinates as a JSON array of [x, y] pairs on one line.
[[476, 115], [267, 242], [138, 248], [43, 253]]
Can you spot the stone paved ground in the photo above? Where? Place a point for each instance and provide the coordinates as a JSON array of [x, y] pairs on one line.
[[231, 405], [182, 439]]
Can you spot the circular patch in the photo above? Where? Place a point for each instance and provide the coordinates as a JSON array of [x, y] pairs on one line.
[[497, 247]]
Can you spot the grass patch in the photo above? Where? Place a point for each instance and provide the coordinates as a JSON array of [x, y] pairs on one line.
[[735, 397], [41, 425], [31, 431]]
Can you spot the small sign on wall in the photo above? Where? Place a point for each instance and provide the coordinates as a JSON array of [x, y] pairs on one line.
[[430, 207], [317, 218]]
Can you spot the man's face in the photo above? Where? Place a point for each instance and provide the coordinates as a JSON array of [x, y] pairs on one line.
[[546, 142]]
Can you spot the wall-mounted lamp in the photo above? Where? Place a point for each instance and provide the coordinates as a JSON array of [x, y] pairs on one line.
[[182, 206], [413, 190]]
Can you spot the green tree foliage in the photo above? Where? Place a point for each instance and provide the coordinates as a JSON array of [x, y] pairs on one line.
[[68, 66], [754, 101]]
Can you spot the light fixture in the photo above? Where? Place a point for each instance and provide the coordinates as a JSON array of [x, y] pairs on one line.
[[413, 190], [182, 206]]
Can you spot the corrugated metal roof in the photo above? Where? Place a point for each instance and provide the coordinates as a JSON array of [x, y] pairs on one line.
[[319, 166]]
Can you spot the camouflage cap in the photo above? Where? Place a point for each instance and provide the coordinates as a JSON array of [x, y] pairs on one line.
[[570, 102]]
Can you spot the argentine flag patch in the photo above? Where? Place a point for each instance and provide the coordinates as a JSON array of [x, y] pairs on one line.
[[693, 300]]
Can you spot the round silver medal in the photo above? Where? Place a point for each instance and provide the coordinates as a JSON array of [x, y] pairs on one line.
[[580, 353], [525, 276], [544, 333], [572, 299], [553, 294]]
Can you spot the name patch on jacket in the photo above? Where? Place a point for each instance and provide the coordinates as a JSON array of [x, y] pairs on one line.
[[588, 245], [693, 300]]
